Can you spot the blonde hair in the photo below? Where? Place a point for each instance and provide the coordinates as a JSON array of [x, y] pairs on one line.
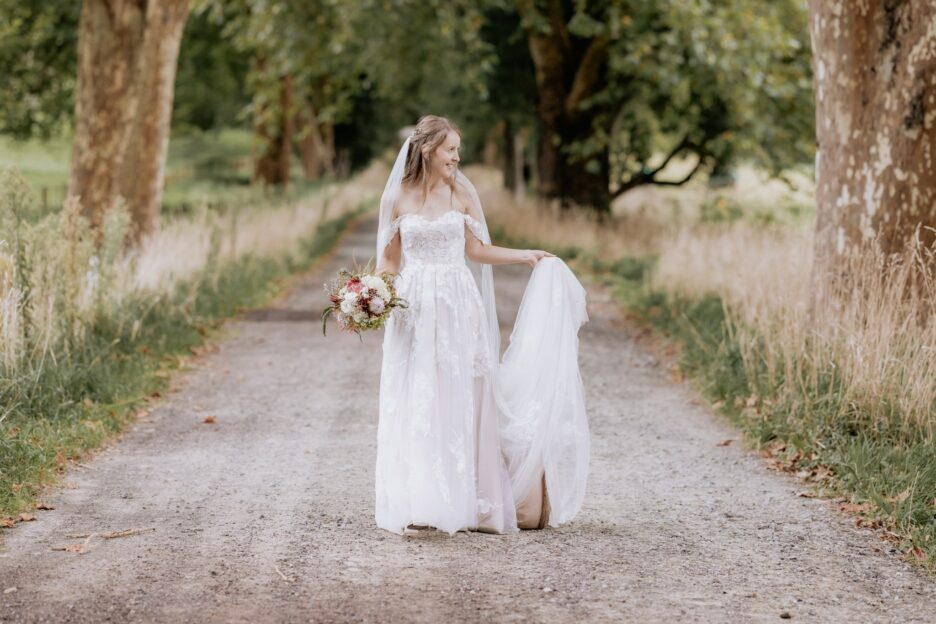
[[431, 131]]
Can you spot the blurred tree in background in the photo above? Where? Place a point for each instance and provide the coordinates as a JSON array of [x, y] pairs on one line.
[[127, 54], [581, 100], [38, 56], [211, 81], [626, 86]]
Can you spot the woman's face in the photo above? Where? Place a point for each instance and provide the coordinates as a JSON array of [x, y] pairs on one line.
[[444, 160]]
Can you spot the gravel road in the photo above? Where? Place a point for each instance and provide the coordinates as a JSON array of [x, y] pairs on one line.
[[266, 515]]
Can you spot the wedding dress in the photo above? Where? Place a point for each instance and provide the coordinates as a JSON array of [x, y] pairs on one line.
[[438, 453], [464, 438]]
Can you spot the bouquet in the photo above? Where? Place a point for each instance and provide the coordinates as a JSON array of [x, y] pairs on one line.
[[361, 300]]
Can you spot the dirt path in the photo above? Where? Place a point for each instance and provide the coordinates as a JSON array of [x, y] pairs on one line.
[[674, 528]]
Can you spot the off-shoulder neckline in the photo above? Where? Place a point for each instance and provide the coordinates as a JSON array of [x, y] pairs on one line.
[[442, 216]]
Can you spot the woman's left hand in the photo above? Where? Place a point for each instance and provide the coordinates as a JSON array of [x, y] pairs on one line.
[[535, 255]]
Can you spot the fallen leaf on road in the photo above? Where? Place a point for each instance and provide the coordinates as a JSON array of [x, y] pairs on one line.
[[855, 507], [7, 522], [725, 442], [9, 590], [44, 506], [890, 536], [26, 517], [210, 420], [126, 532]]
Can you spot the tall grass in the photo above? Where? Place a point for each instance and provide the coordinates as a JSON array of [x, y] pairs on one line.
[[54, 281], [863, 337]]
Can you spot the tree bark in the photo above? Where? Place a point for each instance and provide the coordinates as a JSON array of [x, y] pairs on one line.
[[272, 167], [491, 152], [507, 164], [315, 152], [875, 87], [519, 139], [144, 168], [514, 161], [108, 51], [127, 53]]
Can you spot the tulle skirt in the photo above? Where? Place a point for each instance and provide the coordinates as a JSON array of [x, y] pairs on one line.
[[439, 461], [462, 440]]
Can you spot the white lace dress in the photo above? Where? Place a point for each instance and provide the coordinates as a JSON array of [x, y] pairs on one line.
[[439, 460]]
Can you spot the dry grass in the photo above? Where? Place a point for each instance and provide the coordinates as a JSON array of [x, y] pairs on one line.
[[865, 338], [528, 219], [54, 281]]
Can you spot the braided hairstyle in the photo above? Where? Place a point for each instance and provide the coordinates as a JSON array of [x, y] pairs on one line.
[[431, 131]]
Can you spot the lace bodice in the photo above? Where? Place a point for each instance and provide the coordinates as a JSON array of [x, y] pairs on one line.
[[434, 241]]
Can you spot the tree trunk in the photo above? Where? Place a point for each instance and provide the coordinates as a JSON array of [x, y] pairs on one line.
[[515, 141], [490, 153], [144, 167], [567, 72], [508, 166], [520, 138], [127, 54], [109, 41], [875, 85], [314, 151], [273, 166], [550, 85]]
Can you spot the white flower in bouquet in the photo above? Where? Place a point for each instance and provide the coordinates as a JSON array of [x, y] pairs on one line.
[[378, 285], [376, 305]]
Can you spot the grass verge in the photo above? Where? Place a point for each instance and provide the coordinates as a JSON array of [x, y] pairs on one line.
[[63, 407], [882, 473]]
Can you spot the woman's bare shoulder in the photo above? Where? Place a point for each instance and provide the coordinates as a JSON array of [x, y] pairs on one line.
[[406, 202]]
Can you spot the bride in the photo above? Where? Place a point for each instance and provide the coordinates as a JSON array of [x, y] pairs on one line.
[[466, 441]]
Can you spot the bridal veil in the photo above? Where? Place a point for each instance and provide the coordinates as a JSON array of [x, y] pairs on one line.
[[537, 385]]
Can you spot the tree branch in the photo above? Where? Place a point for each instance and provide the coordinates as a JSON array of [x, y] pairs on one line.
[[688, 177], [557, 20], [679, 147], [586, 77], [649, 177]]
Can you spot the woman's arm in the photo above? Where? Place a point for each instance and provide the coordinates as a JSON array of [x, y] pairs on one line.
[[478, 251], [389, 261]]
